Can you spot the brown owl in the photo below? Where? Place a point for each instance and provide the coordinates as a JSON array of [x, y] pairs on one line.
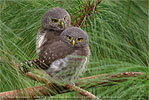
[[65, 59], [54, 21]]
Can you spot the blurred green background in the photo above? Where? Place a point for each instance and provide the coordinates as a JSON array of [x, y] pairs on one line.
[[119, 42]]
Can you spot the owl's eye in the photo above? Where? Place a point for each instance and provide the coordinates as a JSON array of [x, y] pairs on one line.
[[54, 20], [65, 18], [68, 38], [80, 39]]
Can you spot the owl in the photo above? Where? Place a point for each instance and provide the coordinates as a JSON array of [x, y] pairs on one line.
[[65, 59], [54, 21]]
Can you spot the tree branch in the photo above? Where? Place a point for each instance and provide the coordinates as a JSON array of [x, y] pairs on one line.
[[37, 78], [45, 81], [52, 89], [69, 86], [86, 11], [81, 91]]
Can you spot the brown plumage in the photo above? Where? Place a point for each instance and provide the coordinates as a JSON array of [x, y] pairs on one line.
[[65, 59], [54, 21]]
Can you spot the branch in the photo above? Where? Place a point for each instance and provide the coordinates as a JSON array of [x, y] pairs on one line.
[[69, 86], [47, 90], [37, 78], [45, 81], [86, 11], [81, 91]]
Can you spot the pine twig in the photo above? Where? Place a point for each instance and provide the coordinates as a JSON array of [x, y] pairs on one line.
[[37, 78], [47, 82], [47, 90], [86, 11], [82, 91], [69, 86]]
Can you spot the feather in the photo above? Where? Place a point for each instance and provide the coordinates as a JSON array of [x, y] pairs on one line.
[[40, 41]]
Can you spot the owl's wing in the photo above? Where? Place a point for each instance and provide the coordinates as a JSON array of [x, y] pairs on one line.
[[46, 37], [54, 51], [25, 66], [50, 53]]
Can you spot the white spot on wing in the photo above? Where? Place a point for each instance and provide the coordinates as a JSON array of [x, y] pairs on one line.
[[21, 64], [46, 53]]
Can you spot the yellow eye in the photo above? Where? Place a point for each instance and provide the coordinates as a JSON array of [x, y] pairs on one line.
[[68, 38], [65, 18], [80, 39], [54, 20]]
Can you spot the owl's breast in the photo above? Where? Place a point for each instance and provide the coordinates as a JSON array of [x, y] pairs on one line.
[[67, 69]]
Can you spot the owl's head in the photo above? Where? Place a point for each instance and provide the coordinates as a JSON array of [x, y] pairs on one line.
[[75, 37], [56, 19]]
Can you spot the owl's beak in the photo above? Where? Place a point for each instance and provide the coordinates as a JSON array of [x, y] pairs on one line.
[[62, 24], [73, 42]]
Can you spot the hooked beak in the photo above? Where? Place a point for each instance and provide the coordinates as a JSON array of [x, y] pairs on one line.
[[62, 24], [73, 42]]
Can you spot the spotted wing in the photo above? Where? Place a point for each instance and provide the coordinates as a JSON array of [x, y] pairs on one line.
[[51, 52]]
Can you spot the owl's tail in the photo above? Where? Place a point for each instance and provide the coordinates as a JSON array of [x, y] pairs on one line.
[[36, 63]]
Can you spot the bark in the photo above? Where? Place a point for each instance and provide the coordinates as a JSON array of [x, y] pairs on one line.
[[52, 89]]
